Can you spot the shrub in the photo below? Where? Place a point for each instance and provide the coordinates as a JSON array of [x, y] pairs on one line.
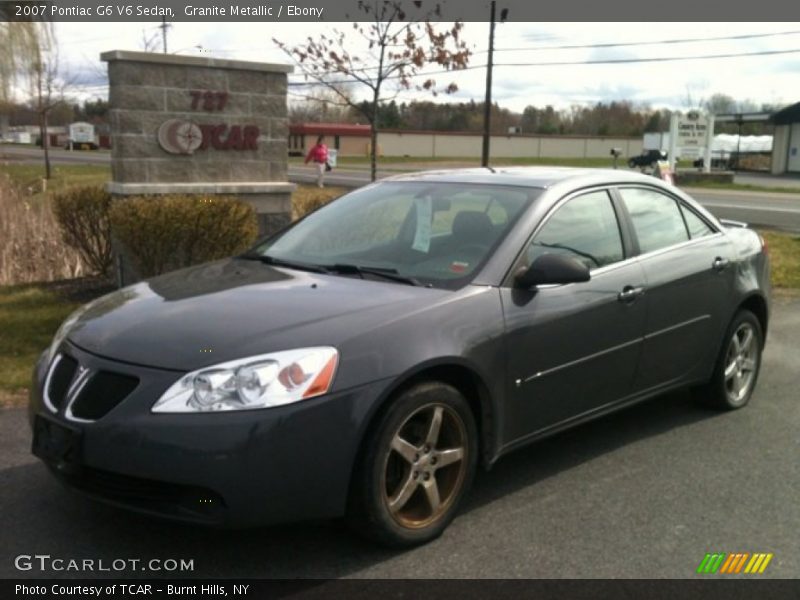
[[169, 232], [307, 199], [82, 215]]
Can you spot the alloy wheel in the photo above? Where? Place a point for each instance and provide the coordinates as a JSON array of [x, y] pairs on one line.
[[741, 363], [426, 466]]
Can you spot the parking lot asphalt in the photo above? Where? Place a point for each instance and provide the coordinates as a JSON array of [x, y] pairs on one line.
[[644, 493]]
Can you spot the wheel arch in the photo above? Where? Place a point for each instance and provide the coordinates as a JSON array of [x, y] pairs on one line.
[[461, 375], [757, 304]]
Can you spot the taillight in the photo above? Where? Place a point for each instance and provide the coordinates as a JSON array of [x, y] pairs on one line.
[[764, 247]]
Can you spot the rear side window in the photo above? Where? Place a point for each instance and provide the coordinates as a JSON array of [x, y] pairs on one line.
[[585, 228], [656, 217], [696, 226]]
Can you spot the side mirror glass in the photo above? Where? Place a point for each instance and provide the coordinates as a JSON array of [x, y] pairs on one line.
[[552, 269]]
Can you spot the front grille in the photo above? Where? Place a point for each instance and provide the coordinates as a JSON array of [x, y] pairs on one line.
[[103, 392], [60, 378], [189, 502]]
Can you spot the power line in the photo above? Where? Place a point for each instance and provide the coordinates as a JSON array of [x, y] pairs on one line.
[[573, 63], [614, 61], [746, 36]]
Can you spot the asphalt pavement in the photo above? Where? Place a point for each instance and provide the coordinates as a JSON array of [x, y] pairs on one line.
[[644, 493]]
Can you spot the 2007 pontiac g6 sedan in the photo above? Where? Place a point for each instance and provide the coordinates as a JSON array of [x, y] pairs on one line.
[[366, 360]]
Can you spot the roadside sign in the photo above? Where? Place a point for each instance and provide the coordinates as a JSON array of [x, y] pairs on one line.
[[693, 132], [690, 137]]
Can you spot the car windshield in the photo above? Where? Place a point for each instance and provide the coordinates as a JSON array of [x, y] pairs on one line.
[[437, 234]]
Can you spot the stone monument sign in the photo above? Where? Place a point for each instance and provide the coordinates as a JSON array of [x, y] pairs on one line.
[[194, 125]]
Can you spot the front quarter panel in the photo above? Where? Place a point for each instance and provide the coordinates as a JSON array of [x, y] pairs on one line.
[[465, 330]]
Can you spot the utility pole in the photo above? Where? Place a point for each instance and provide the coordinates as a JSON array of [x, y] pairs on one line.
[[487, 106], [164, 26]]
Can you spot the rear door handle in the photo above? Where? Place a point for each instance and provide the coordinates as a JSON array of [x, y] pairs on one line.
[[720, 263], [630, 293]]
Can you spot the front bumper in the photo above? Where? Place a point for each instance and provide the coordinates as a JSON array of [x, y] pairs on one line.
[[230, 469]]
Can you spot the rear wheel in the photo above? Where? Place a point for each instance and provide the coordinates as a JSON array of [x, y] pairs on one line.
[[738, 364], [418, 462]]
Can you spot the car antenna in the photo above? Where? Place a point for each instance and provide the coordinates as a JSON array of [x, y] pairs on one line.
[[491, 169]]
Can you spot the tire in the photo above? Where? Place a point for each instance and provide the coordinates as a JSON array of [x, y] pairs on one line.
[[736, 371], [632, 164], [400, 475]]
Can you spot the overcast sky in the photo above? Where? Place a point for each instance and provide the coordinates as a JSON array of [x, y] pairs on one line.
[[763, 79]]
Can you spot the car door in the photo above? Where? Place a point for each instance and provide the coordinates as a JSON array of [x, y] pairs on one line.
[[572, 349], [688, 268]]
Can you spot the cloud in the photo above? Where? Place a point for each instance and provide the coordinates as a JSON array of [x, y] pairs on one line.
[[761, 78]]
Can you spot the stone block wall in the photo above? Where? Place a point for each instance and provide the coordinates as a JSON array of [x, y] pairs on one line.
[[145, 89], [237, 108]]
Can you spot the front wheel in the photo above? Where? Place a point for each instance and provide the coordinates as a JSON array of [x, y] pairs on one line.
[[738, 364], [417, 464]]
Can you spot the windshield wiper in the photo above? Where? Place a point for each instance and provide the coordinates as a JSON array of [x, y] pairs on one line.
[[289, 264], [386, 273]]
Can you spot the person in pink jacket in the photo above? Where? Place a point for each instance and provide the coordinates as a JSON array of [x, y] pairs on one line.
[[319, 156]]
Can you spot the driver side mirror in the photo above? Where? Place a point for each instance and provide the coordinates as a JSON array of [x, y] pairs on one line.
[[551, 269]]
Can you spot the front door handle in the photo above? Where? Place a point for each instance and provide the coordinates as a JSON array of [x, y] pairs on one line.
[[630, 293], [720, 263]]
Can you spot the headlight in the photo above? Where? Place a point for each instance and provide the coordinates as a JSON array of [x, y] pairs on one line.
[[255, 382]]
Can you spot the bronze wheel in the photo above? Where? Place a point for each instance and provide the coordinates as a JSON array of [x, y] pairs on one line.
[[426, 466], [417, 463]]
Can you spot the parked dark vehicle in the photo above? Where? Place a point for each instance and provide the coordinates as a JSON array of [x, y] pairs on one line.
[[366, 360], [648, 158]]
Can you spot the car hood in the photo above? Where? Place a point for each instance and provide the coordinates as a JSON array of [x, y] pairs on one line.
[[235, 308]]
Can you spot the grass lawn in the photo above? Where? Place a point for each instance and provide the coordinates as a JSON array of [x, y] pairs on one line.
[[784, 254], [29, 316], [27, 176]]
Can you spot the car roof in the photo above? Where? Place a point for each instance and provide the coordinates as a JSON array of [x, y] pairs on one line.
[[538, 177]]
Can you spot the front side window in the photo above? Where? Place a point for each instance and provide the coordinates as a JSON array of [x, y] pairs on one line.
[[585, 228], [656, 218], [436, 233]]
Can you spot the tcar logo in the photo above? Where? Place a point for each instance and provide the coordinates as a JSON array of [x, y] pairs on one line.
[[179, 137]]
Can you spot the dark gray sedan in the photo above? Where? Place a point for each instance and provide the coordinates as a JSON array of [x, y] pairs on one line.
[[365, 360]]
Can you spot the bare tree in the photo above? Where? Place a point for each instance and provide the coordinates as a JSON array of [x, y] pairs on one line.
[[149, 41], [47, 92], [398, 44], [320, 104]]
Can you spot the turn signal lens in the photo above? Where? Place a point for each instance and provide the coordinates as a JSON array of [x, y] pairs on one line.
[[322, 382]]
